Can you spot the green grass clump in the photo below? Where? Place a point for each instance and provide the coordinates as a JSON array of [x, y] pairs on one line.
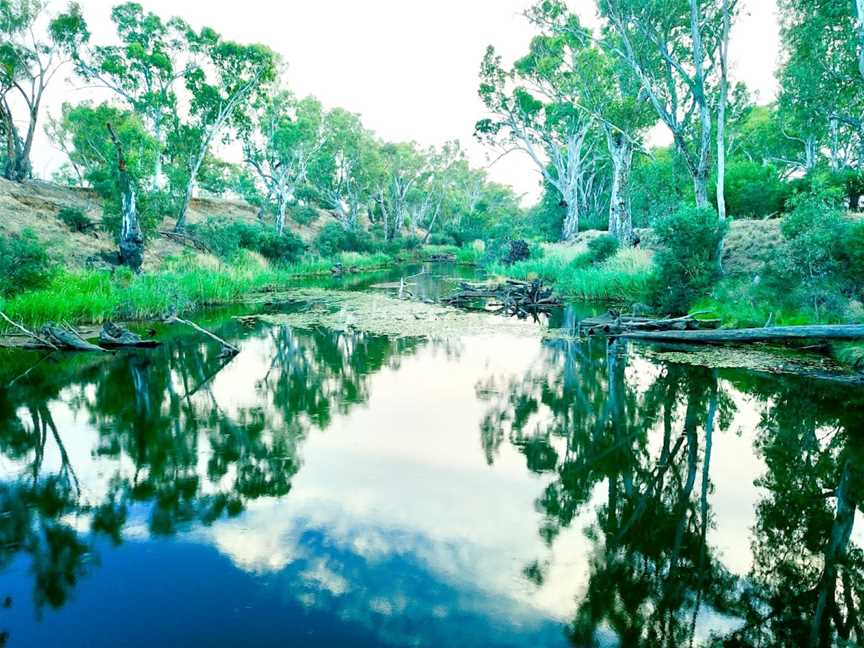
[[184, 284], [626, 275]]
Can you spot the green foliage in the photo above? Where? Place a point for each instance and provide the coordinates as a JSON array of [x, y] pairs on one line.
[[814, 231], [659, 185], [305, 215], [688, 263], [227, 237], [334, 238], [75, 219], [603, 247], [754, 190], [24, 263]]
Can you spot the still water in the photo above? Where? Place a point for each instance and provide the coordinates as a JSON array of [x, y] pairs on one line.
[[327, 488]]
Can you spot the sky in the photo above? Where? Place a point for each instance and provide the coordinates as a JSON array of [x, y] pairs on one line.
[[409, 67]]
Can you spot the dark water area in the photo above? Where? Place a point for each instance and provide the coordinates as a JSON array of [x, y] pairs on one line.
[[328, 488]]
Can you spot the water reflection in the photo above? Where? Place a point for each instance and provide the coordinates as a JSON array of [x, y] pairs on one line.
[[631, 450], [340, 476]]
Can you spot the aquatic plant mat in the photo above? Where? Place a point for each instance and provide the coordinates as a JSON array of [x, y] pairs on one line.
[[382, 315]]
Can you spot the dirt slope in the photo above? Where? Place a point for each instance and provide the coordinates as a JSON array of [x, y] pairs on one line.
[[35, 205]]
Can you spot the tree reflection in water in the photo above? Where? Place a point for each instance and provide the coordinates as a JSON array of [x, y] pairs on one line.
[[169, 444], [630, 456]]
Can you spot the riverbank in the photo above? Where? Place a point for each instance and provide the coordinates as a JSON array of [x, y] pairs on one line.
[[189, 282]]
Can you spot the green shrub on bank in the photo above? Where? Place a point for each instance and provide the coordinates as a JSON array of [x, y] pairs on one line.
[[603, 247], [688, 263], [75, 219], [24, 263], [305, 215], [334, 238], [227, 237]]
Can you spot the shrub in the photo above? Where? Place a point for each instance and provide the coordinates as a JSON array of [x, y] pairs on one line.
[[334, 238], [304, 215], [754, 190], [688, 262], [602, 248], [853, 255], [75, 219], [814, 231], [226, 238], [24, 263]]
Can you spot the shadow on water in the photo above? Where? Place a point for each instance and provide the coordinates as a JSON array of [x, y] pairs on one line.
[[151, 467]]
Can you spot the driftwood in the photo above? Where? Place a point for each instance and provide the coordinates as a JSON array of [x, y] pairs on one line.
[[67, 339], [613, 323], [776, 334], [41, 341], [513, 298], [113, 336], [441, 258], [186, 240], [227, 348]]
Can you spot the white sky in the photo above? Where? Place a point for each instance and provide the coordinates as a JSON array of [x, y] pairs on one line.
[[409, 67]]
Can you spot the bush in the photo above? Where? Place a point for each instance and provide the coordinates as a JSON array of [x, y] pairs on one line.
[[24, 264], [75, 219], [814, 232], [754, 190], [602, 248], [688, 263], [304, 215], [226, 238], [334, 238], [853, 255]]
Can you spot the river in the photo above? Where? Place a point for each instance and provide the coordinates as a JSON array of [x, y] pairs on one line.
[[337, 488]]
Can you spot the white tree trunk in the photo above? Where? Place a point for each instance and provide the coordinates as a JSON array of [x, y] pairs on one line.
[[721, 113], [571, 220], [620, 216]]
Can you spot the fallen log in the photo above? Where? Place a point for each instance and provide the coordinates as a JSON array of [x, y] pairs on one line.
[[67, 339], [186, 240], [612, 323], [113, 336], [776, 334]]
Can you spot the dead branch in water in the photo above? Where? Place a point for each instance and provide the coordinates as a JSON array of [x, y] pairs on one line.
[[27, 333], [226, 346]]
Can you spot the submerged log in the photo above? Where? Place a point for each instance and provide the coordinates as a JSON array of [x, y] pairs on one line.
[[776, 334], [113, 336]]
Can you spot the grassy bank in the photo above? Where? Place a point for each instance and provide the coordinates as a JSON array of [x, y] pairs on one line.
[[624, 276], [185, 283]]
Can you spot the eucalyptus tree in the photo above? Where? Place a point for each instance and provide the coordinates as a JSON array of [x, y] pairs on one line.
[[343, 173], [435, 192], [114, 153], [281, 143], [821, 76], [610, 93], [31, 54], [534, 109], [403, 168], [143, 70], [222, 89], [672, 46]]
